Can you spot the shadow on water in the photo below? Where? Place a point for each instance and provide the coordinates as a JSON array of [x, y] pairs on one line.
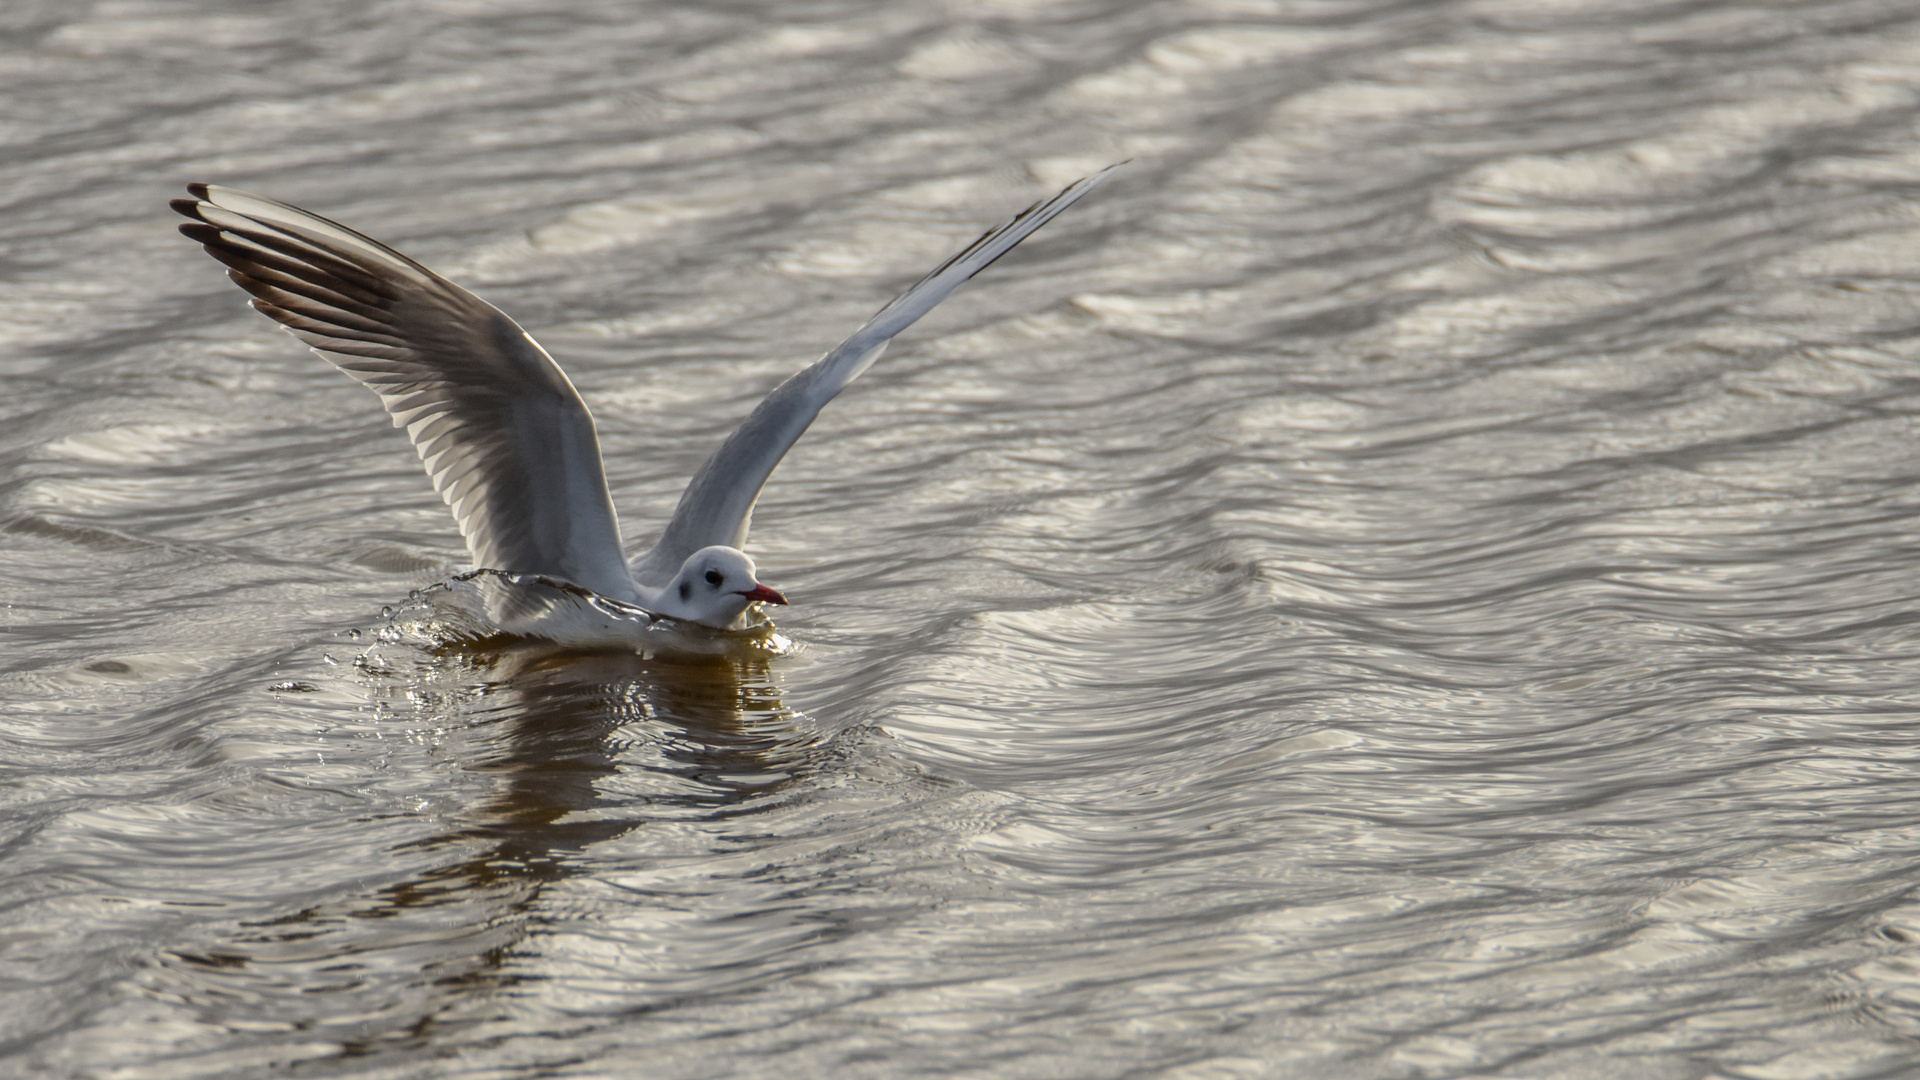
[[582, 749]]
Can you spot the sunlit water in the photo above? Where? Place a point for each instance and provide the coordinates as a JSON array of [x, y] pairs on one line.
[[1417, 578]]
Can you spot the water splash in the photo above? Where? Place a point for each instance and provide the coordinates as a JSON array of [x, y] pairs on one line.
[[484, 609]]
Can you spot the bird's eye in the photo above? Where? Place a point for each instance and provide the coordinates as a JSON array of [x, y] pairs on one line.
[[714, 577]]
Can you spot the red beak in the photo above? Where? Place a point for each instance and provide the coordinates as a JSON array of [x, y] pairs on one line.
[[763, 594]]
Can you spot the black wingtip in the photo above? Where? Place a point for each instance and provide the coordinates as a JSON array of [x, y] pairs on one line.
[[185, 207], [197, 189], [199, 231]]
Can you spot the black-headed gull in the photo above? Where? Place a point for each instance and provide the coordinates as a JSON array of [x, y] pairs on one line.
[[503, 434]]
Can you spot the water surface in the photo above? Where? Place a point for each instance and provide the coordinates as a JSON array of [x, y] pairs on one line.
[[1415, 579]]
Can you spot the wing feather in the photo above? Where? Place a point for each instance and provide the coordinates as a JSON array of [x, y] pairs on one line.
[[717, 506], [501, 431]]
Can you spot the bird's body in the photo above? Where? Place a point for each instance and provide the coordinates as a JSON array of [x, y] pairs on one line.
[[505, 438]]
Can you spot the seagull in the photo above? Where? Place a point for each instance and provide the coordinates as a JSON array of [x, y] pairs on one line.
[[505, 437]]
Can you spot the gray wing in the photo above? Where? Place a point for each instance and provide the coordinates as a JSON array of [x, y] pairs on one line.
[[718, 504], [503, 434]]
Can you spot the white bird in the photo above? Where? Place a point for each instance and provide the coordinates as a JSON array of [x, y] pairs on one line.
[[503, 434]]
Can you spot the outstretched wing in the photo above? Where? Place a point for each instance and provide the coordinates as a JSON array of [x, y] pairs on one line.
[[503, 434], [718, 503]]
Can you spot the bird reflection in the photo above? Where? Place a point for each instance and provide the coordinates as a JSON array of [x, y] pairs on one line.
[[593, 745], [586, 748]]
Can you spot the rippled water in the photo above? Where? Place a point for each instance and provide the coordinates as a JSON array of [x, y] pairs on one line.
[[1415, 579]]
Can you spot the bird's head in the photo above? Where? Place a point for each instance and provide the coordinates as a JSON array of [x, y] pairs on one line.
[[714, 587]]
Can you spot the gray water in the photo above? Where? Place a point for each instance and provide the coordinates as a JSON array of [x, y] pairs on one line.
[[1414, 579]]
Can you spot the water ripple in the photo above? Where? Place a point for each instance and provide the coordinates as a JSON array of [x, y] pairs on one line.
[[1412, 583]]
